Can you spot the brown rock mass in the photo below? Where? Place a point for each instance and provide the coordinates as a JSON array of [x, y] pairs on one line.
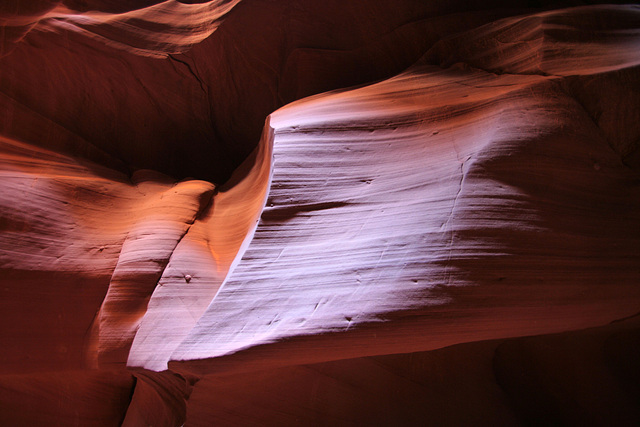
[[278, 212]]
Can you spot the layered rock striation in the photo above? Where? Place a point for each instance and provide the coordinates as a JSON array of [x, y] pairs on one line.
[[274, 212]]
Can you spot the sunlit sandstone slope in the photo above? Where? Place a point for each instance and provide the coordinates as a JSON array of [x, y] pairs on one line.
[[444, 205], [159, 210]]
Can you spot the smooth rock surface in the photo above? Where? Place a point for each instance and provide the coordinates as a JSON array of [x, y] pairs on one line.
[[549, 379], [278, 212], [448, 190]]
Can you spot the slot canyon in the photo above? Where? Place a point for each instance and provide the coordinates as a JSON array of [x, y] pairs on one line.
[[319, 213]]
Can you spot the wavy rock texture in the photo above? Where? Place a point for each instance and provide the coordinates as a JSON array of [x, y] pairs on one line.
[[457, 191], [200, 224]]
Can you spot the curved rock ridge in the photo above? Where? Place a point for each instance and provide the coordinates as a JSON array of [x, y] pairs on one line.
[[57, 253], [154, 245], [200, 113], [582, 41], [446, 204], [169, 27], [200, 262], [157, 30], [123, 239], [151, 240]]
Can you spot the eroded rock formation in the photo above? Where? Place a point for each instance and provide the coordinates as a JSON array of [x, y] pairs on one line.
[[204, 221]]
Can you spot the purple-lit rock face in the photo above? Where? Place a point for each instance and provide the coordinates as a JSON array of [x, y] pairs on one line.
[[319, 213]]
